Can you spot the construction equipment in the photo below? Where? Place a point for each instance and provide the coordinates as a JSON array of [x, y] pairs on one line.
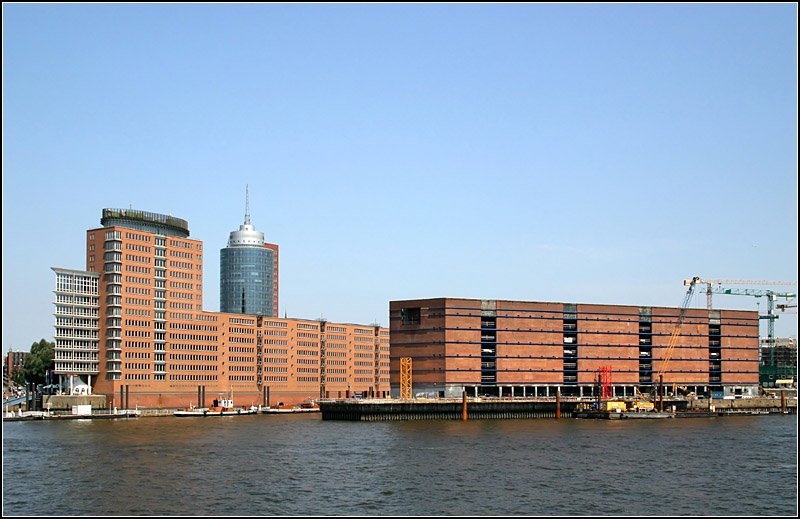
[[711, 282], [678, 390], [405, 377], [677, 330], [673, 340], [604, 381], [771, 296]]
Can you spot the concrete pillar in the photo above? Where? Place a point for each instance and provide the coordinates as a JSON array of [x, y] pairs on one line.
[[90, 384], [71, 378], [512, 391], [524, 391]]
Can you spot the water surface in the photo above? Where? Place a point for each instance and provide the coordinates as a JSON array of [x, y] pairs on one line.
[[301, 465]]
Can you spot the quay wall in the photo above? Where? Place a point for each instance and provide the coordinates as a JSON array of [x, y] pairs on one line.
[[396, 409], [755, 404], [65, 402], [440, 410]]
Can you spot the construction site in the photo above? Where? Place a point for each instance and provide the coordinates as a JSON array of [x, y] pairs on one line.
[[536, 359]]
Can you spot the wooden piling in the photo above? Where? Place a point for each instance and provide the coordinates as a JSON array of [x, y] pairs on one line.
[[464, 405], [558, 404]]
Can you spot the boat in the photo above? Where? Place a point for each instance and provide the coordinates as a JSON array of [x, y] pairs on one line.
[[618, 415], [219, 408], [281, 408], [619, 410]]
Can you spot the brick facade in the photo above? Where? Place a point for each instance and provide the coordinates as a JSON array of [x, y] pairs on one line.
[[537, 347]]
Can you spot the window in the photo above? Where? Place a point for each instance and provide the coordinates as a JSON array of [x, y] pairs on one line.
[[410, 315]]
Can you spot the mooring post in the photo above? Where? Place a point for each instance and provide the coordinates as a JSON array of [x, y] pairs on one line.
[[558, 404], [783, 401], [464, 405], [661, 393]]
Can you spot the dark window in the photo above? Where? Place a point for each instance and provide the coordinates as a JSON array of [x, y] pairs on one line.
[[410, 315]]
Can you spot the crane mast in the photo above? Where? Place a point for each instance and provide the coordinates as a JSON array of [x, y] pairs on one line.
[[673, 340], [771, 296]]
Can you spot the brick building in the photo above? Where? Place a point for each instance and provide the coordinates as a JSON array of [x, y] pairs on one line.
[[12, 362], [779, 362], [137, 313], [518, 348]]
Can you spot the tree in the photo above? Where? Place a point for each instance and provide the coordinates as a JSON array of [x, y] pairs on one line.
[[39, 361], [17, 377]]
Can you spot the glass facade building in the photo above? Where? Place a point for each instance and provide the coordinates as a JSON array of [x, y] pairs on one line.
[[246, 282], [248, 273]]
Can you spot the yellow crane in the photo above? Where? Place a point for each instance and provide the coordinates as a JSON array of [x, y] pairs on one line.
[[673, 339]]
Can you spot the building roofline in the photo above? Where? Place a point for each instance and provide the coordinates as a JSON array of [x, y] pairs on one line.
[[178, 225]]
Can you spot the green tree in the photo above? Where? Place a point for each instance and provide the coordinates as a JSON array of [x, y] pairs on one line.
[[18, 377], [39, 361]]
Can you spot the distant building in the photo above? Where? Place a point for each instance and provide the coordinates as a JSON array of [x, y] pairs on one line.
[[249, 273], [12, 363], [778, 362], [77, 342], [524, 348], [132, 327]]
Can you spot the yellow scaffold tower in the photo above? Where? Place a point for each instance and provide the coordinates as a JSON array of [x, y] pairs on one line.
[[405, 377]]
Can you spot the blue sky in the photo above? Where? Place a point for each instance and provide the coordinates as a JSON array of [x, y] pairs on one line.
[[583, 153]]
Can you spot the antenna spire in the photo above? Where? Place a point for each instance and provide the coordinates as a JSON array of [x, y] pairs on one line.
[[247, 205]]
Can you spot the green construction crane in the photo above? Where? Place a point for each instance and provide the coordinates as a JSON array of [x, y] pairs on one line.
[[771, 315]]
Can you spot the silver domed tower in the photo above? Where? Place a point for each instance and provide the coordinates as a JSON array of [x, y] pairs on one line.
[[247, 271]]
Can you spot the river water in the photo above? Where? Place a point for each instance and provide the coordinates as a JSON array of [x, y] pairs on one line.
[[302, 465]]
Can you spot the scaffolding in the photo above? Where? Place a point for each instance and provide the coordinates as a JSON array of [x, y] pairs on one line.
[[405, 377]]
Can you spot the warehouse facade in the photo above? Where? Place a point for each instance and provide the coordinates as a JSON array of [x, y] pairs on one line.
[[520, 348]]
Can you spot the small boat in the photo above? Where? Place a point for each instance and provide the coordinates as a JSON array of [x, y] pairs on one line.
[[220, 408], [281, 408]]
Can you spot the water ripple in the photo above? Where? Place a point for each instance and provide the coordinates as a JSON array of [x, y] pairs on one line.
[[304, 466]]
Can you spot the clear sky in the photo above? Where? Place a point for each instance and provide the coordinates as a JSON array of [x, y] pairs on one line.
[[583, 153]]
